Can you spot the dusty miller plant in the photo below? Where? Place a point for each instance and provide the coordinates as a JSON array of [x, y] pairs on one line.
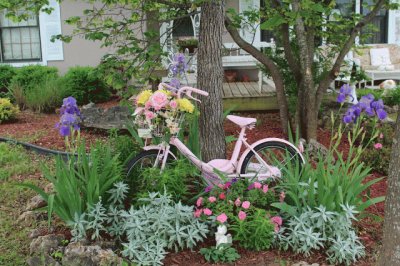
[[318, 228], [158, 225]]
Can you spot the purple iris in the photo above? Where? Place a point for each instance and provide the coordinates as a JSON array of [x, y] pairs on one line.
[[70, 117], [345, 91], [175, 83], [367, 104], [70, 106], [179, 65], [381, 114]]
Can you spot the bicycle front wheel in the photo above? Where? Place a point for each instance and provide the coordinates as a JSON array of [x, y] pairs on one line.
[[279, 155]]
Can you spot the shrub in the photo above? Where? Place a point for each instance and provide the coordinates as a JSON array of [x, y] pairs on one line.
[[80, 182], [393, 97], [45, 97], [28, 77], [6, 74], [224, 253], [7, 110], [318, 228], [124, 146], [86, 85], [175, 179]]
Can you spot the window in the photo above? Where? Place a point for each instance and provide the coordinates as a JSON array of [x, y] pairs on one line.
[[266, 35], [19, 41], [380, 23], [183, 27]]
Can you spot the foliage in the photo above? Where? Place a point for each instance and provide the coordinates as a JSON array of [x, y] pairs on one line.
[[125, 146], [28, 77], [44, 97], [6, 74], [245, 205], [224, 253], [7, 110], [175, 179], [255, 232], [14, 161], [85, 84], [316, 228], [80, 182]]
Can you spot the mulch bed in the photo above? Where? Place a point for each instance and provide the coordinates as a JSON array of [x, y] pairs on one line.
[[40, 129]]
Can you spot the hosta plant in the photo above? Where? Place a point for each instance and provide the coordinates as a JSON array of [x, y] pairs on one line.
[[222, 253]]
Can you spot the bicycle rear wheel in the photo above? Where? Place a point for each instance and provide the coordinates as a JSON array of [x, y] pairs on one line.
[[277, 154]]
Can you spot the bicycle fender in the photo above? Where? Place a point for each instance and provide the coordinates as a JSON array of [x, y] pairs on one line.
[[157, 147], [248, 150]]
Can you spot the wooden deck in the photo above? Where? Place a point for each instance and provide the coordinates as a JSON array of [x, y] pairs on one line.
[[246, 96]]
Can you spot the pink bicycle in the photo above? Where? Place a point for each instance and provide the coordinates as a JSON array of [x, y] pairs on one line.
[[263, 159]]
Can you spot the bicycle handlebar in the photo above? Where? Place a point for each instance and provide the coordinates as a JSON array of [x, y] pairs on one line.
[[186, 89]]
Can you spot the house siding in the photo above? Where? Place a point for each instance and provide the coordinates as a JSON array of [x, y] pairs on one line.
[[79, 52]]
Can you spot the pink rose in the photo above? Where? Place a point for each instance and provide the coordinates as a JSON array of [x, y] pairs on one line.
[[265, 188], [199, 202], [158, 100], [207, 212], [147, 105], [257, 185], [198, 212], [222, 196], [246, 204], [378, 146], [212, 199], [222, 218], [173, 104], [237, 202], [149, 115], [282, 196], [242, 215], [277, 220]]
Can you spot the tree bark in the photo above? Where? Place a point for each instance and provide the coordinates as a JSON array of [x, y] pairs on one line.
[[210, 78], [390, 253]]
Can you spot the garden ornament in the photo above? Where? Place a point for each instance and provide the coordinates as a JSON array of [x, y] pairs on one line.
[[220, 236]]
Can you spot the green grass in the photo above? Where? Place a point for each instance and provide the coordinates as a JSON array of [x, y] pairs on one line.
[[14, 161], [14, 241]]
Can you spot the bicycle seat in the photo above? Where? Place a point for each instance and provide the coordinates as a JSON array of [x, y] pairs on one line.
[[241, 121]]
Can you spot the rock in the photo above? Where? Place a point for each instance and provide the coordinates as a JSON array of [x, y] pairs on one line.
[[35, 233], [28, 217], [49, 188], [77, 254], [390, 110], [303, 263], [88, 106], [43, 260], [35, 203], [115, 117], [45, 244]]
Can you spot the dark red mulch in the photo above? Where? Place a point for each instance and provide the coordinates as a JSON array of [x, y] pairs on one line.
[[40, 129]]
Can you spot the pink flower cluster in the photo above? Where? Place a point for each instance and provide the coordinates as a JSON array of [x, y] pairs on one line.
[[258, 185], [277, 221]]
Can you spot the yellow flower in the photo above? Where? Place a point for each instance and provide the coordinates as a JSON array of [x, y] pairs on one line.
[[143, 97], [185, 105], [166, 92]]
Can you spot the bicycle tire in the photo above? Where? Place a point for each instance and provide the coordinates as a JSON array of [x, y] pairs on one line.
[[269, 145]]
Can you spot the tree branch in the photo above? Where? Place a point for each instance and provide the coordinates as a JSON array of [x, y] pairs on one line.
[[334, 72]]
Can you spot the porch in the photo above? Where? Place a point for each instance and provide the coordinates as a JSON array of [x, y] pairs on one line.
[[246, 96]]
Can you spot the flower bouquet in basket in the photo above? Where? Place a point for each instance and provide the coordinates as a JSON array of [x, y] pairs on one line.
[[160, 113]]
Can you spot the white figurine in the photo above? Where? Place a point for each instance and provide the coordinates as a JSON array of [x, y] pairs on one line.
[[220, 236]]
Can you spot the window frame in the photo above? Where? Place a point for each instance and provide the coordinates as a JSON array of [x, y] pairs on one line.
[[22, 60]]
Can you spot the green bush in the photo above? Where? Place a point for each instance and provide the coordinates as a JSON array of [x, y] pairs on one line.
[[45, 97], [6, 74], [222, 253], [125, 146], [86, 85], [393, 97], [7, 110], [28, 77]]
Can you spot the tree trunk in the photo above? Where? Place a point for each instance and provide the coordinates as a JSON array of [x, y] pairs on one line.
[[390, 253], [210, 78]]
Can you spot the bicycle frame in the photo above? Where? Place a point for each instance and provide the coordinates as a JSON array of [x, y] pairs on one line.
[[229, 167]]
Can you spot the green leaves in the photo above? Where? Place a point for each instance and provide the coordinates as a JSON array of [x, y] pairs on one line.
[[224, 253], [273, 22]]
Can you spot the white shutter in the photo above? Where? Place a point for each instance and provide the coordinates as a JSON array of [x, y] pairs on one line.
[[394, 27], [51, 25], [247, 32]]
